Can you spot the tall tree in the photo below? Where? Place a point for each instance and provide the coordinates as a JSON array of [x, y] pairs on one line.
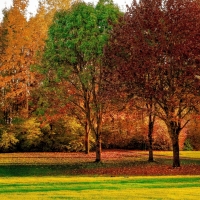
[[155, 49], [56, 5], [14, 67], [74, 50]]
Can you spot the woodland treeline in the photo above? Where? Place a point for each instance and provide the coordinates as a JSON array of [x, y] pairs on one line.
[[79, 77]]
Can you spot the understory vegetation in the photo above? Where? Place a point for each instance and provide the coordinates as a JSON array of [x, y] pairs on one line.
[[67, 135]]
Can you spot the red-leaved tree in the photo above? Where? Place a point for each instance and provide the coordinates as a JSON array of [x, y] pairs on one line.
[[154, 50]]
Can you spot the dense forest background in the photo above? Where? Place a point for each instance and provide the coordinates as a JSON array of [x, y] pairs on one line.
[[59, 90]]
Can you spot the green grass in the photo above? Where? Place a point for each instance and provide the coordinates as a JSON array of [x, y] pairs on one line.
[[59, 176], [168, 187]]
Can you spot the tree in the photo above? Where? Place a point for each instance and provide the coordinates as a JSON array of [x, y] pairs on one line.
[[2, 53], [15, 74], [155, 49], [73, 52], [51, 7], [56, 5], [121, 80], [2, 37]]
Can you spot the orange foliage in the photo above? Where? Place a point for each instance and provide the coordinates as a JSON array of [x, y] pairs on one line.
[[15, 76]]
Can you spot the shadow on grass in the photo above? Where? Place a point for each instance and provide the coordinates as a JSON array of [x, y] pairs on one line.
[[32, 170]]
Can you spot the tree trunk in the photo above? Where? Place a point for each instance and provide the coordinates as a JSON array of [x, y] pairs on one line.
[[152, 118], [98, 148], [176, 158], [87, 149], [174, 130], [150, 134]]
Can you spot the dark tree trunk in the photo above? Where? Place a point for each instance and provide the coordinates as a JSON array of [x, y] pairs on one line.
[[5, 117], [174, 130], [98, 148], [87, 149], [176, 158], [150, 130], [150, 134]]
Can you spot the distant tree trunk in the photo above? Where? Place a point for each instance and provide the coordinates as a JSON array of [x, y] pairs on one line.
[[174, 131], [87, 118], [27, 102], [87, 131], [98, 148], [150, 136], [5, 116], [150, 130]]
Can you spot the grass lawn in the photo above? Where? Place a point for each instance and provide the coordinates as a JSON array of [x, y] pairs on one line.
[[121, 175], [140, 187], [115, 163]]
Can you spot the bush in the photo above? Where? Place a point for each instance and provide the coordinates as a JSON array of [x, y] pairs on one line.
[[8, 142], [65, 134], [29, 135]]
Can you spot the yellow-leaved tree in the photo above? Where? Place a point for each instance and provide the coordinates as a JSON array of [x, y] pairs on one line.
[[15, 76], [21, 48]]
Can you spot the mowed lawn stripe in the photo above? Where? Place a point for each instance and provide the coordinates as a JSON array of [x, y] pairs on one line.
[[28, 184], [167, 187]]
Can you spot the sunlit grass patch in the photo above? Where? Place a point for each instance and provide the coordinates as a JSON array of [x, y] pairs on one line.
[[168, 187], [190, 154]]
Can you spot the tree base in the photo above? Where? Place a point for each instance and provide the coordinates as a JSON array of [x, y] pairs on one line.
[[176, 166], [98, 161]]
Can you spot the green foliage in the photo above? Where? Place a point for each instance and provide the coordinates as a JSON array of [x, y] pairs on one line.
[[17, 121], [77, 36], [74, 51], [187, 145]]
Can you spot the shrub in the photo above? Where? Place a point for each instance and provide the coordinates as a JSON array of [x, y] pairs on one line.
[[8, 142], [29, 135]]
